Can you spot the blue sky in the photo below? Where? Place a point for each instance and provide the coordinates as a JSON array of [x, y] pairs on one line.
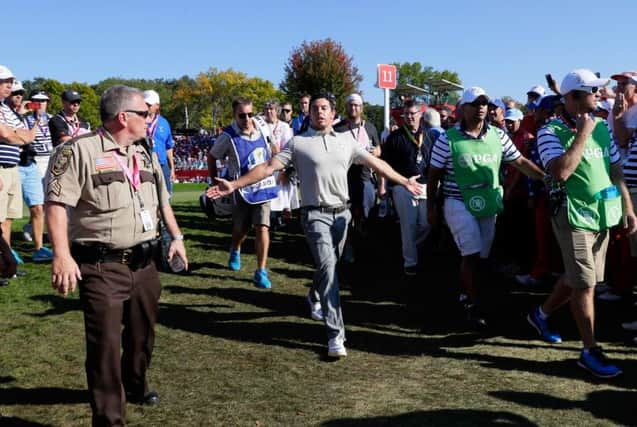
[[505, 47]]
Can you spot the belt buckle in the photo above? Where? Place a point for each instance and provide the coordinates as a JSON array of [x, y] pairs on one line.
[[126, 256]]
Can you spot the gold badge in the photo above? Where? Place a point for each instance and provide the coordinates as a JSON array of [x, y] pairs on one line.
[[62, 161]]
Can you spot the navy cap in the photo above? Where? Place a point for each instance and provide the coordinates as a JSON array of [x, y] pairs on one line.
[[71, 96]]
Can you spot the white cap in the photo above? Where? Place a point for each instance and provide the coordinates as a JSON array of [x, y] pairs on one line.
[[355, 99], [431, 117], [17, 86], [151, 97], [606, 104], [632, 80], [5, 73], [581, 79], [538, 90], [498, 102], [471, 94], [513, 114]]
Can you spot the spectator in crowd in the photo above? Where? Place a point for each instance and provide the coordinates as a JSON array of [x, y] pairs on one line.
[[31, 180], [321, 158], [66, 124], [445, 118], [497, 109], [108, 247], [362, 191], [161, 136], [245, 145], [581, 157], [467, 159], [623, 117], [406, 152], [286, 113], [304, 109]]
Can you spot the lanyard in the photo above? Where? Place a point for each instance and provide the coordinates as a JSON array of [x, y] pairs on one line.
[[357, 137], [411, 137], [133, 176], [74, 126], [152, 127]]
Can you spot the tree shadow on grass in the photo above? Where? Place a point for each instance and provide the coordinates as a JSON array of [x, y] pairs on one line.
[[60, 305], [42, 396], [19, 422], [441, 417], [615, 406]]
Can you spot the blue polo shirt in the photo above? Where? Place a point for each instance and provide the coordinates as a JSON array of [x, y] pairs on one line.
[[162, 138]]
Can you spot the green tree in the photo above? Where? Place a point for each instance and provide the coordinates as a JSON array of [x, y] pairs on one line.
[[317, 66], [426, 77]]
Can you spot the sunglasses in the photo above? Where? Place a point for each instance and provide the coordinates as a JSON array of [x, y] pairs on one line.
[[143, 114], [589, 89], [479, 103], [243, 116], [286, 110]]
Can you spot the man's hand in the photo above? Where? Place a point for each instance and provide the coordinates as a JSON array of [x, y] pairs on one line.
[[223, 188], [64, 274], [585, 124], [620, 105], [172, 175], [177, 248], [630, 222], [414, 187]]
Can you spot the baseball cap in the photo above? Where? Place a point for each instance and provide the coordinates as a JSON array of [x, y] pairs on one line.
[[354, 98], [605, 105], [623, 75], [5, 73], [548, 102], [431, 117], [151, 97], [538, 90], [581, 79], [71, 96], [471, 94], [39, 95], [498, 102], [17, 87], [513, 114], [632, 80]]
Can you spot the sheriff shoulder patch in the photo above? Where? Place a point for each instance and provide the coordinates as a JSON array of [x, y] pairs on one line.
[[62, 161]]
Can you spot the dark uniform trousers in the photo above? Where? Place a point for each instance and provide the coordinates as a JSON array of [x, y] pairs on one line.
[[113, 295]]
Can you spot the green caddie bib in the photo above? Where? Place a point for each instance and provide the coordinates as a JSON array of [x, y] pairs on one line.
[[476, 164], [593, 202]]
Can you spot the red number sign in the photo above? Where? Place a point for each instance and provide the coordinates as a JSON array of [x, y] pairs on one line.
[[386, 76]]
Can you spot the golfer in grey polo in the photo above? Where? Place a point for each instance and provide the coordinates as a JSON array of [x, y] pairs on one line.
[[322, 158]]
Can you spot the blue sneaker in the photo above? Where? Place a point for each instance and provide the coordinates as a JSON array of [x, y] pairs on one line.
[[17, 257], [261, 279], [43, 254], [596, 362], [234, 263], [542, 327]]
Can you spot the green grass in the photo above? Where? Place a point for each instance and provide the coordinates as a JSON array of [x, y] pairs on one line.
[[229, 354]]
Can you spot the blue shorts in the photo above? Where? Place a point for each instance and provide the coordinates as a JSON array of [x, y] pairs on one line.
[[32, 188]]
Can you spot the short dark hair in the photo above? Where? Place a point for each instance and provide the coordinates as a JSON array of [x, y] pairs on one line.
[[411, 103], [240, 101], [325, 95]]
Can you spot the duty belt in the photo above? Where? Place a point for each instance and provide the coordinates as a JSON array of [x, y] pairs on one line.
[[136, 257], [328, 209], [7, 165]]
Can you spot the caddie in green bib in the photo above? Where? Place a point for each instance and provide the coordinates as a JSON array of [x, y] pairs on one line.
[[476, 164], [593, 202]]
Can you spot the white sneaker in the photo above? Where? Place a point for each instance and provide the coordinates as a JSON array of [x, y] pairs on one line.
[[609, 296], [527, 280], [316, 311], [630, 326], [336, 348], [27, 232]]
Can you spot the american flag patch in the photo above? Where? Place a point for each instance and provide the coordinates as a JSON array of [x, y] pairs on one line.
[[102, 163]]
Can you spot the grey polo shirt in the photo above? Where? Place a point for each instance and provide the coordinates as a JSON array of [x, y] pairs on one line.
[[321, 162]]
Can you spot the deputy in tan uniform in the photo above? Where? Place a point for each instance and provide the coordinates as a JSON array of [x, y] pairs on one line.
[[109, 185]]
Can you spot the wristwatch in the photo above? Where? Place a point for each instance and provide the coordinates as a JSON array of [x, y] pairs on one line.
[[178, 237]]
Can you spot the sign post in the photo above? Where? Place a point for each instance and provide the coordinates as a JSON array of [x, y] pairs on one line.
[[386, 81]]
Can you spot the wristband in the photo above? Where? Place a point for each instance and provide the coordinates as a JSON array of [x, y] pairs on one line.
[[178, 237]]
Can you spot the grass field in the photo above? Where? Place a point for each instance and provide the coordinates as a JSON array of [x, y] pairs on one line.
[[229, 354]]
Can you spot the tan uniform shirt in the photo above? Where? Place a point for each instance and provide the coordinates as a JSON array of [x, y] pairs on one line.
[[84, 175]]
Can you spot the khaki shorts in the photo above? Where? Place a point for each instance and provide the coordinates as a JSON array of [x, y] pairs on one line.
[[583, 252], [633, 237], [11, 194], [245, 215]]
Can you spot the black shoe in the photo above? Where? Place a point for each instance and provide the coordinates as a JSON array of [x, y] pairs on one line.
[[474, 317], [4, 282], [149, 399]]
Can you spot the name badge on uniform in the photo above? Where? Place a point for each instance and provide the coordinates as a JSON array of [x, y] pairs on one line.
[[419, 157], [147, 220]]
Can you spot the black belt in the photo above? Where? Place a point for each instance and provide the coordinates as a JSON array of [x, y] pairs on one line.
[[7, 165], [136, 257], [328, 209]]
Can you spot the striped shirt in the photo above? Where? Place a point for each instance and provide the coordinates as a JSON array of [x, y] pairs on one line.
[[42, 144], [441, 158], [9, 154], [629, 165], [549, 146]]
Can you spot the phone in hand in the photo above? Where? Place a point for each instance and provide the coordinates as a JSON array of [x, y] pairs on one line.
[[32, 106], [549, 79]]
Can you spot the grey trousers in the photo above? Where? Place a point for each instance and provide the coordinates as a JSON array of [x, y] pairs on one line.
[[414, 226], [325, 234]]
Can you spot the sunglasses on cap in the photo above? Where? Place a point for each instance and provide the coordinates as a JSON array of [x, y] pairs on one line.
[[243, 116]]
